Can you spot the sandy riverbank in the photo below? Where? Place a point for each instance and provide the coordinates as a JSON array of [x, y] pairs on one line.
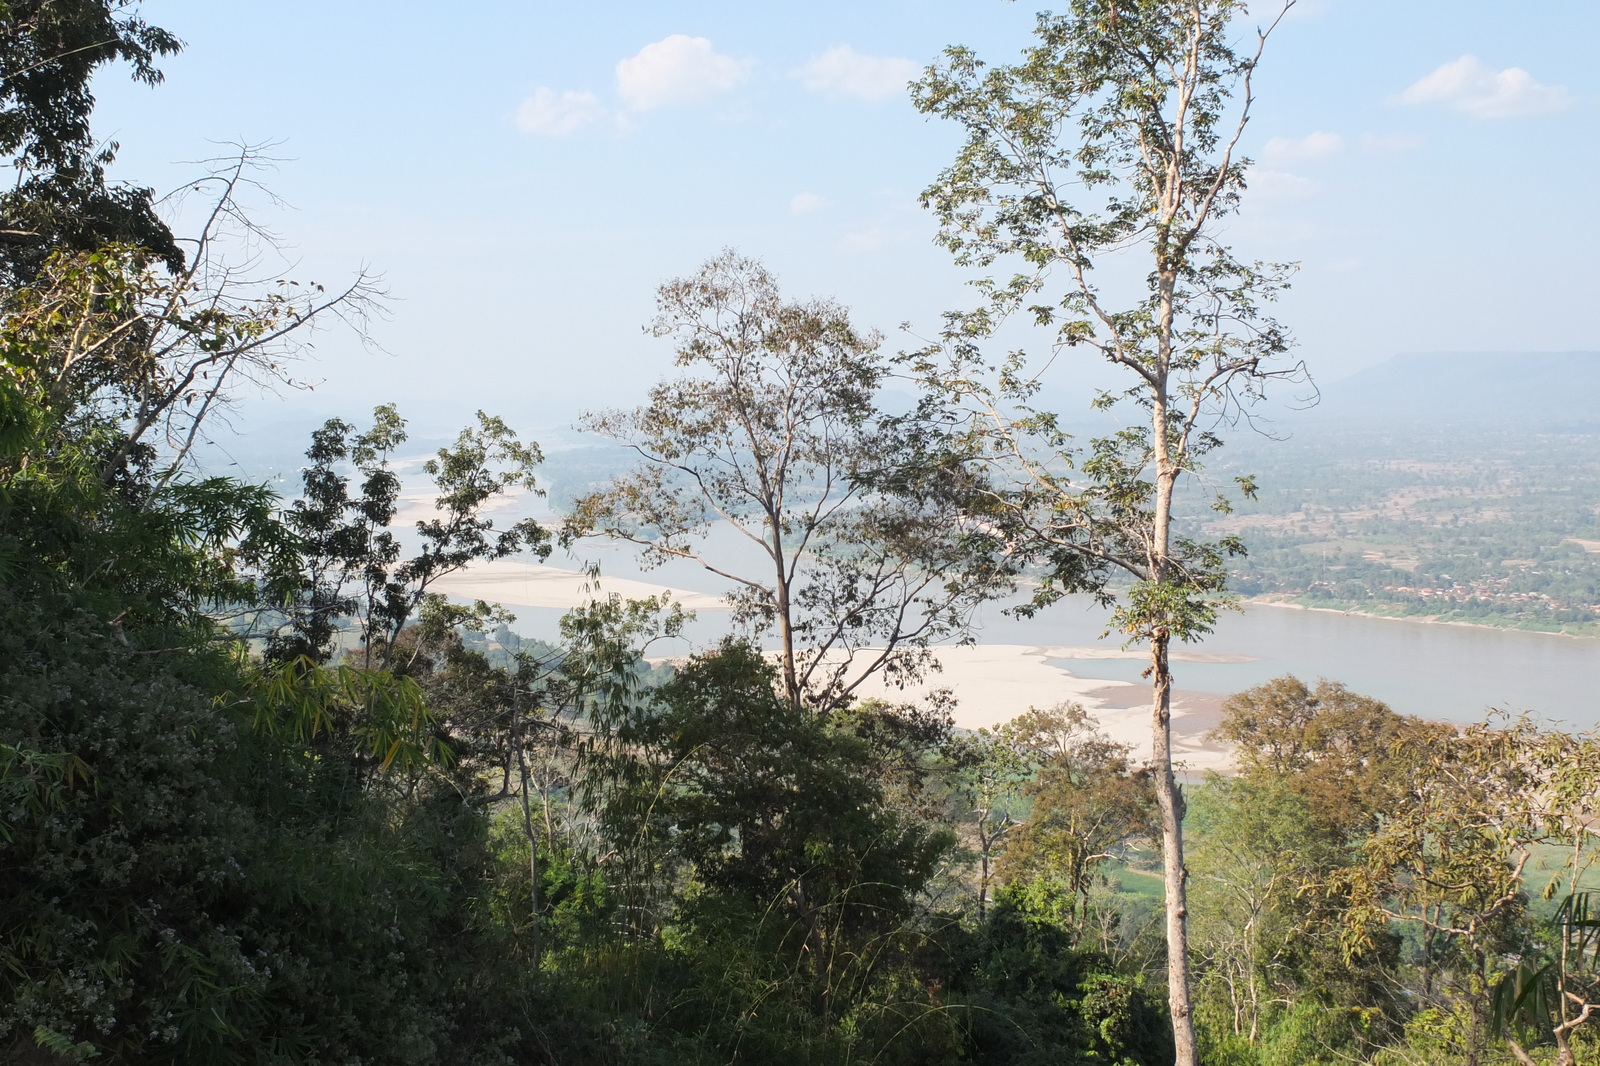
[[518, 584], [992, 683]]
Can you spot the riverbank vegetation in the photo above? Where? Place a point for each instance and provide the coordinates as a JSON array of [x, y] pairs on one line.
[[267, 797]]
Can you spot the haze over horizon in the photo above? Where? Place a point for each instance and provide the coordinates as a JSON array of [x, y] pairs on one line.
[[525, 176]]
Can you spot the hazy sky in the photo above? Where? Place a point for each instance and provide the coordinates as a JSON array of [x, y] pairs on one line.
[[524, 174]]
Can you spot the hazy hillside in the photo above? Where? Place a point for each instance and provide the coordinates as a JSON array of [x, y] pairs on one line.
[[1464, 486], [1543, 390]]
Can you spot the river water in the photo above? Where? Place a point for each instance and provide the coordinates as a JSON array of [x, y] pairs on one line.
[[1451, 672], [1459, 673], [1456, 673]]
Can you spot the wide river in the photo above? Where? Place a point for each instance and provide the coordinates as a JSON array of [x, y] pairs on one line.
[[1458, 673], [1453, 672]]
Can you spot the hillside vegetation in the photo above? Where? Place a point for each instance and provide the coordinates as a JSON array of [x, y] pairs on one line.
[[266, 797]]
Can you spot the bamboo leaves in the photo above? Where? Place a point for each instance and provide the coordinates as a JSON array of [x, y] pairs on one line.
[[384, 717]]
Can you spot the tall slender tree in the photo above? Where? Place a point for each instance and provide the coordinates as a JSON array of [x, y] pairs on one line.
[[1115, 137]]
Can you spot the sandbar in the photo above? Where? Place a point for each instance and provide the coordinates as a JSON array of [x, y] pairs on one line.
[[994, 683], [519, 584]]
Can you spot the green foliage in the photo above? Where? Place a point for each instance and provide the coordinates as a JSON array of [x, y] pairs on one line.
[[1125, 104], [34, 784], [575, 901], [452, 845], [1315, 1034], [1349, 757], [1362, 889], [1263, 940], [1033, 997], [781, 817], [1116, 133], [989, 775], [198, 891], [379, 719], [352, 567], [1089, 803], [50, 51], [1550, 997], [207, 859]]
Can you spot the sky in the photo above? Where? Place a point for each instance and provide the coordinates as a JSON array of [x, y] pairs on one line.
[[524, 174]]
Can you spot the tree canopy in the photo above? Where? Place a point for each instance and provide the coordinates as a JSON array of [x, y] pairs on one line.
[[50, 51], [269, 796]]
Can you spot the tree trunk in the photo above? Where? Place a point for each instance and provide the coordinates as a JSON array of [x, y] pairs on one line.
[[1169, 798], [1478, 1032], [533, 844], [791, 674], [983, 882]]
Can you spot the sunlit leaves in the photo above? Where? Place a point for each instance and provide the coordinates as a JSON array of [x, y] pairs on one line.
[[32, 784], [383, 714]]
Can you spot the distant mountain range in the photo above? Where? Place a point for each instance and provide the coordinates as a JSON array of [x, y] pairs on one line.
[[1553, 391]]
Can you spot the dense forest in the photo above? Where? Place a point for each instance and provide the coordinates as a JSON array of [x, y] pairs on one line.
[[267, 797]]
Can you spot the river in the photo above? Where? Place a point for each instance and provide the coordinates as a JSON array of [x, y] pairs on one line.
[[1451, 672], [1458, 673]]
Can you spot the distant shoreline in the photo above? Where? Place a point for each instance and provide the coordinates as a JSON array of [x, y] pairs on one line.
[[1431, 620]]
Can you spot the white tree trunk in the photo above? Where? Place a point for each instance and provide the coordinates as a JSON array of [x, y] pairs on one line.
[[1169, 799]]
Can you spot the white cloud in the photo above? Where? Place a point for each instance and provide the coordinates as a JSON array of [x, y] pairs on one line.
[[677, 70], [842, 71], [1280, 184], [1318, 145], [558, 114], [805, 203], [1467, 85], [1389, 144]]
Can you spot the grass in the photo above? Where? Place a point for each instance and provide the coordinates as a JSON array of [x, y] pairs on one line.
[[1133, 882]]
